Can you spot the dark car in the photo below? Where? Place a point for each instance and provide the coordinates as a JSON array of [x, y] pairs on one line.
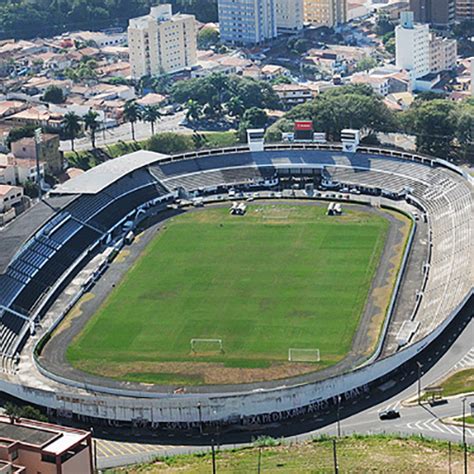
[[389, 414]]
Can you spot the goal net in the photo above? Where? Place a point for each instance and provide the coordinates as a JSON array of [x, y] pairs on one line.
[[303, 355], [199, 345]]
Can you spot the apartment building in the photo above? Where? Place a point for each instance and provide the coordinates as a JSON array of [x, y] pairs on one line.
[[28, 446], [289, 15], [161, 42], [443, 53], [247, 22], [439, 13], [325, 12], [412, 44], [293, 94]]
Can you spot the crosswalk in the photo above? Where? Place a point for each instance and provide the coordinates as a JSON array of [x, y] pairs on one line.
[[435, 425], [466, 362], [107, 448]]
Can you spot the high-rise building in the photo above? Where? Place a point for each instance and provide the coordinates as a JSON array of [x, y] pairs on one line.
[[441, 13], [161, 42], [289, 15], [247, 22], [464, 10], [325, 12], [412, 46]]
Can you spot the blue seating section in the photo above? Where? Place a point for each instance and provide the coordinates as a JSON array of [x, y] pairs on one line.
[[55, 247]]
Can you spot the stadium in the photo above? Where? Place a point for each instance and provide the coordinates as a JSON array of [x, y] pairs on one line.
[[137, 292]]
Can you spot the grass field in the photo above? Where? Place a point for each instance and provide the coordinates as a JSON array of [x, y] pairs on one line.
[[281, 276], [355, 454]]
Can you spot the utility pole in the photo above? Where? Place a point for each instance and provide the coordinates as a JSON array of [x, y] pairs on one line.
[[334, 452], [464, 445], [338, 416], [449, 457], [419, 381], [213, 457], [38, 141], [259, 464]]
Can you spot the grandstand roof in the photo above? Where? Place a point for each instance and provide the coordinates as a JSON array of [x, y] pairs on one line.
[[103, 175]]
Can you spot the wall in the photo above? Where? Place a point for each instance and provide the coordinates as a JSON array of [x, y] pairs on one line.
[[269, 405]]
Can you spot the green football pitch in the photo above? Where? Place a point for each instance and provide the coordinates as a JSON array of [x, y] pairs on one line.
[[282, 276]]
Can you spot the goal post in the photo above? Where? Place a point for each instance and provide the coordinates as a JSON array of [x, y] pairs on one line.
[[303, 355], [204, 345]]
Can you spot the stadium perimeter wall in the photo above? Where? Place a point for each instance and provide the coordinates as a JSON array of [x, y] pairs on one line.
[[269, 405]]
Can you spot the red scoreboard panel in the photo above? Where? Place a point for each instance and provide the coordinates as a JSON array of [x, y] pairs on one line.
[[304, 130]]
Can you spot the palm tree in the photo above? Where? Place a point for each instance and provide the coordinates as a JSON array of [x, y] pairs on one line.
[[132, 114], [194, 110], [72, 126], [151, 114], [92, 124]]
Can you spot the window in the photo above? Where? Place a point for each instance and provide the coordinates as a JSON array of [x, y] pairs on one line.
[[48, 458], [14, 454]]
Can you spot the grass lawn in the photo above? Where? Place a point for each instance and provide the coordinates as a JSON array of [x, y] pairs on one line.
[[283, 276], [459, 382], [355, 454]]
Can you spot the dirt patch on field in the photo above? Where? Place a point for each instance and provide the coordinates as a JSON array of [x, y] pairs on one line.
[[74, 313], [207, 372]]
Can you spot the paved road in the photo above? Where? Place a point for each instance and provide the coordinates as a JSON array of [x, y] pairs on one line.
[[168, 123], [356, 416]]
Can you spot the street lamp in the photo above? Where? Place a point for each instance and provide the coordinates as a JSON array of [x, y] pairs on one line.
[[38, 141], [420, 366], [338, 416], [200, 417]]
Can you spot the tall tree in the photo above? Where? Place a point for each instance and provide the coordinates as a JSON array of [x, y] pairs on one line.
[[92, 124], [132, 114], [151, 114], [235, 106], [194, 110], [71, 126]]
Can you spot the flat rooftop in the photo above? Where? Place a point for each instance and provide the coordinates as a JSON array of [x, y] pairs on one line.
[[26, 434], [50, 438]]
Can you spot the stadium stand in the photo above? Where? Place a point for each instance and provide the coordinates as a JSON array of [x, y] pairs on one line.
[[77, 215]]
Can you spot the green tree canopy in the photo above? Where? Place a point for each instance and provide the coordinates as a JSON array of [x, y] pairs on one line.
[[207, 37], [54, 95], [218, 89], [352, 106]]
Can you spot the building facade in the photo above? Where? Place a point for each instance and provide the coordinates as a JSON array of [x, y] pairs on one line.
[[49, 152], [161, 42], [289, 15], [464, 10], [10, 196], [441, 13], [325, 12], [247, 22], [412, 46], [443, 53]]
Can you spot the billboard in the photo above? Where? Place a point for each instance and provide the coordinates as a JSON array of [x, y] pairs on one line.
[[304, 130]]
